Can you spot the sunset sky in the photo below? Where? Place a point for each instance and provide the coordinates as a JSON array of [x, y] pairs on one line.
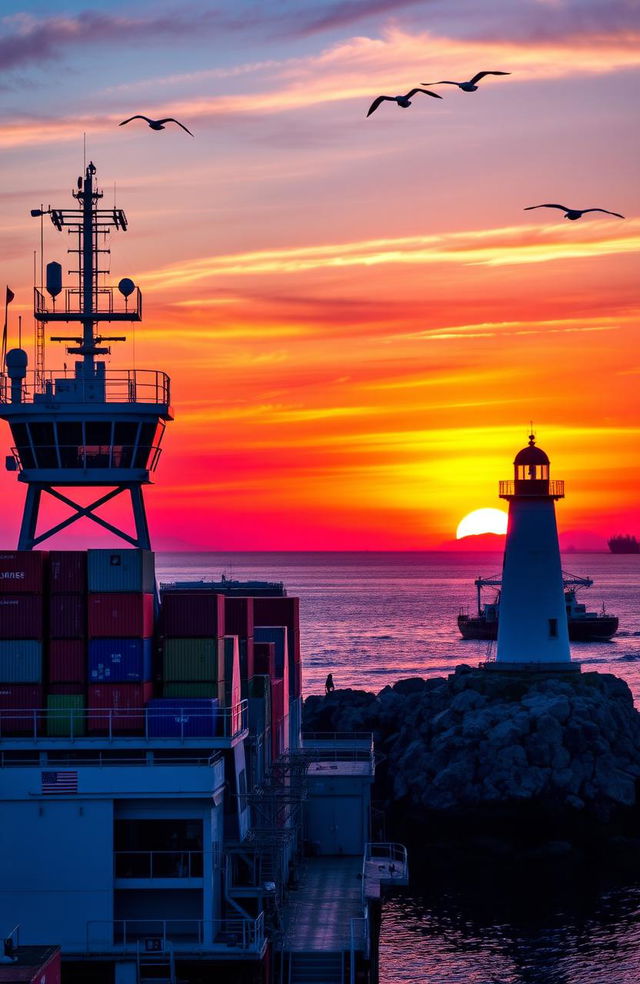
[[359, 318]]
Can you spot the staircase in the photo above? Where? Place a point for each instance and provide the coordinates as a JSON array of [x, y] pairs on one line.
[[157, 967], [316, 967]]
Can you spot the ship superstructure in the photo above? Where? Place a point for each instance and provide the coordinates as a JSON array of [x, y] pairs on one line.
[[87, 426], [159, 802]]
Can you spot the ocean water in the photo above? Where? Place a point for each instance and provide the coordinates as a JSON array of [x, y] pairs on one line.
[[373, 618]]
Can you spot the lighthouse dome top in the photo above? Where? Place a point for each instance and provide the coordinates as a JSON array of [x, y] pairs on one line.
[[531, 455]]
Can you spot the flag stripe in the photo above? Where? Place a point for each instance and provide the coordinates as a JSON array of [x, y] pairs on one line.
[[59, 782]]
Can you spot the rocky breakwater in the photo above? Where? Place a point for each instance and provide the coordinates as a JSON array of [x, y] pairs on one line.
[[503, 746]]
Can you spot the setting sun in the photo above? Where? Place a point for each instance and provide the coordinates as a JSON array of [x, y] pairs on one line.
[[482, 521]]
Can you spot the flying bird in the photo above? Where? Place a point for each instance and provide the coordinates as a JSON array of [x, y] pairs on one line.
[[403, 101], [469, 86], [574, 213], [156, 124]]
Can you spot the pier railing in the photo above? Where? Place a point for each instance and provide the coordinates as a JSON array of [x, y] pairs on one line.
[[182, 723]]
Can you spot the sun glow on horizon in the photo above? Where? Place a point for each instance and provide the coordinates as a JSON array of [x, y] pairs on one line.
[[482, 521]]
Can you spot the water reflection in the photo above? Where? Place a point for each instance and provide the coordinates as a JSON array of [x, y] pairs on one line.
[[555, 925]]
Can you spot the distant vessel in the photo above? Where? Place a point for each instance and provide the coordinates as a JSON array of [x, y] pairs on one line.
[[626, 544], [583, 626]]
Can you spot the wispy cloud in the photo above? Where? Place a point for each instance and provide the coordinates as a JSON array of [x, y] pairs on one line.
[[352, 70], [514, 245]]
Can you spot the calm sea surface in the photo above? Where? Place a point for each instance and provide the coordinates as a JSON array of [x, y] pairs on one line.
[[372, 618]]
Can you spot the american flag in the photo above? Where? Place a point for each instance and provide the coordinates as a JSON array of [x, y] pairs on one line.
[[59, 782]]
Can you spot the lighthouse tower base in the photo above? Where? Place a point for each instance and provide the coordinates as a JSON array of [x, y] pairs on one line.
[[531, 669]]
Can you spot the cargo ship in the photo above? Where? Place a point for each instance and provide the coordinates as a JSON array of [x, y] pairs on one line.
[[163, 815], [584, 626], [624, 544]]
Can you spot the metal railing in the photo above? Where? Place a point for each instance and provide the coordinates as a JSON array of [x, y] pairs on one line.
[[158, 864], [533, 487], [116, 386], [83, 457], [108, 304], [122, 935], [183, 723], [338, 746]]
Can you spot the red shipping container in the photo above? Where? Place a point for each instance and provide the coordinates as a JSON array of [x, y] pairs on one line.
[[67, 616], [66, 688], [238, 617], [22, 571], [15, 697], [67, 661], [120, 615], [119, 706], [35, 965], [264, 659], [21, 616], [189, 615], [68, 571]]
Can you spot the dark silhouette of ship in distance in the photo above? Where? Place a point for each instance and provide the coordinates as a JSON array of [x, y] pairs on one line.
[[583, 626], [624, 544]]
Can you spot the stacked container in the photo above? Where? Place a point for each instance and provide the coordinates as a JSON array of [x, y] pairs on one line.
[[192, 627], [284, 611], [120, 614], [239, 621], [22, 632], [67, 652]]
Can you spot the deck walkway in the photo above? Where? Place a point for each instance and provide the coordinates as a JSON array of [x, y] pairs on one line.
[[319, 912]]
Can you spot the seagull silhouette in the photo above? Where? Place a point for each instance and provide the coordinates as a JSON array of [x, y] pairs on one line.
[[156, 124], [469, 86], [573, 213], [403, 101]]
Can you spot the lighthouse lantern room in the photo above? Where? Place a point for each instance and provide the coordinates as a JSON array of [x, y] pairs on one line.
[[532, 631], [86, 426]]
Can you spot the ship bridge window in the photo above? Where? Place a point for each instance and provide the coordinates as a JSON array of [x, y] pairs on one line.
[[98, 432], [43, 441]]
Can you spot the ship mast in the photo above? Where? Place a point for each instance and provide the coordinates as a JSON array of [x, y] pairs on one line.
[[92, 428]]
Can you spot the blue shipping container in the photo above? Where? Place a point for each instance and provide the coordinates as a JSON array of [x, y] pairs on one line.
[[195, 717], [119, 660], [121, 570], [20, 661], [278, 635]]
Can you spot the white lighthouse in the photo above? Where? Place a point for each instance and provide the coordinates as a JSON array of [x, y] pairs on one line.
[[532, 630]]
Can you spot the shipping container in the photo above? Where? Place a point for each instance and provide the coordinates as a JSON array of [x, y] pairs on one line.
[[247, 667], [67, 661], [182, 717], [117, 707], [186, 614], [67, 688], [119, 660], [21, 616], [278, 635], [277, 702], [284, 611], [264, 659], [18, 704], [20, 661], [67, 616], [192, 688], [120, 615], [22, 571], [68, 571], [238, 617], [66, 714], [192, 659], [121, 570]]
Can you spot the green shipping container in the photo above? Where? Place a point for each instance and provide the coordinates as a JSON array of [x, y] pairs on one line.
[[65, 714], [192, 660], [191, 689]]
